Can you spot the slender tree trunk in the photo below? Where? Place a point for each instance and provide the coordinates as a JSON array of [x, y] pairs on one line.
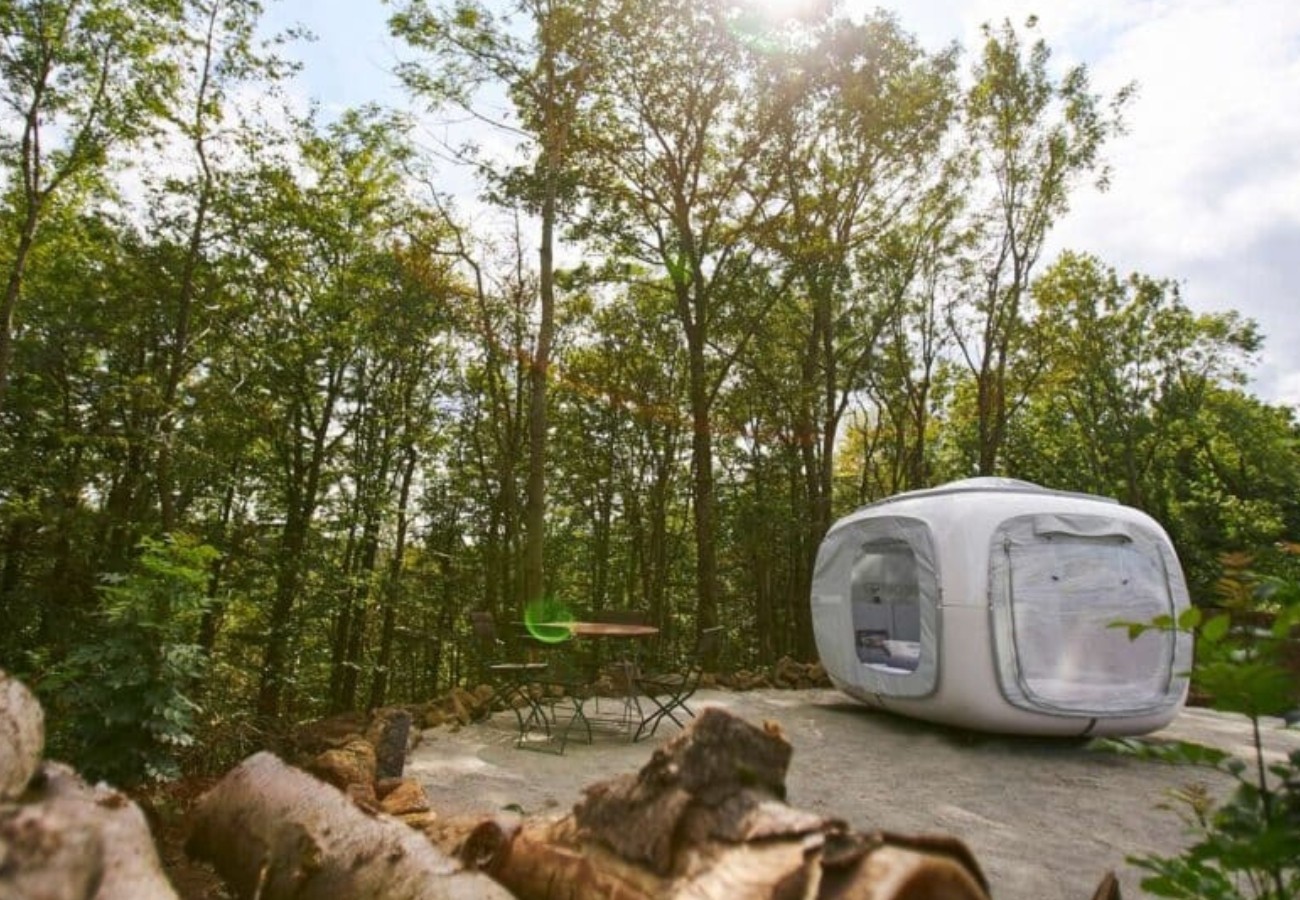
[[392, 587], [176, 367], [180, 338], [820, 378], [303, 498], [358, 597], [15, 548], [343, 623], [762, 566], [13, 289], [534, 586], [706, 609], [275, 659], [657, 587], [214, 609]]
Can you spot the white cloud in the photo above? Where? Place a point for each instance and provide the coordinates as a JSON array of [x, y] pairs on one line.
[[1210, 163], [1205, 186], [1287, 390]]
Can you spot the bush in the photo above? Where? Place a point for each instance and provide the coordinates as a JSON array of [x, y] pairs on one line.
[[124, 696]]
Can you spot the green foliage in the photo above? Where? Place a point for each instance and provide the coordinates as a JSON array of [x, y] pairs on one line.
[[1248, 846], [1139, 399], [790, 242], [122, 702]]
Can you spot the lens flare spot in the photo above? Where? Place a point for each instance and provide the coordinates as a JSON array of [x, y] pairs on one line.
[[548, 620]]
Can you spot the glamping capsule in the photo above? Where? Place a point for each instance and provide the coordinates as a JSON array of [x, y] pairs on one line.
[[986, 603]]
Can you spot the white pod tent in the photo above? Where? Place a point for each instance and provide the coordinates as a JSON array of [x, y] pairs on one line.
[[987, 604]]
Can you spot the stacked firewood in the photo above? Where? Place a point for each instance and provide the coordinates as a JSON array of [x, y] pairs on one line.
[[705, 818], [786, 674], [60, 837]]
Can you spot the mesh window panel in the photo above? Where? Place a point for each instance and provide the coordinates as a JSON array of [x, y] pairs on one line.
[[1066, 591]]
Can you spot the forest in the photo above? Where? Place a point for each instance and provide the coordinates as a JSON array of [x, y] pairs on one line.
[[278, 407]]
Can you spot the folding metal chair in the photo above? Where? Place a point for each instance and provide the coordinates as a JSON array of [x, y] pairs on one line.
[[669, 692], [514, 680]]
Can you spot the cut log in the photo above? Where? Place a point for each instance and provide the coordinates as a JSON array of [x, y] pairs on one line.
[[69, 839], [351, 764], [705, 818], [22, 736], [44, 855], [550, 861], [275, 832], [390, 732]]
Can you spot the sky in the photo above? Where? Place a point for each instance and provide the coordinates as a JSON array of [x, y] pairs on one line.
[[1205, 185]]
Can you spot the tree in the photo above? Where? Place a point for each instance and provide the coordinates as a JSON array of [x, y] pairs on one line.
[[868, 110], [541, 64], [1140, 399], [315, 238], [82, 79], [218, 55], [676, 138], [863, 112], [1033, 137], [620, 436]]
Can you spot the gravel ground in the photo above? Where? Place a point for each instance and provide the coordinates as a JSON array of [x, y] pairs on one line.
[[1045, 817]]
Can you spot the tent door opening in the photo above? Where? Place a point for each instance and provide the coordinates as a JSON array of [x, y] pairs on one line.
[[887, 607], [1062, 588]]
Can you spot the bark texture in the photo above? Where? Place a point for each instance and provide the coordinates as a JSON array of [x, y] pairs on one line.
[[276, 833], [706, 818], [67, 839], [22, 736]]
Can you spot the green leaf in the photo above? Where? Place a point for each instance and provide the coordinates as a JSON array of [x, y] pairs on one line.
[[1135, 629], [1216, 629]]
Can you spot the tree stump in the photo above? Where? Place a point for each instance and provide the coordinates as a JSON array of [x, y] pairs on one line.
[[390, 733]]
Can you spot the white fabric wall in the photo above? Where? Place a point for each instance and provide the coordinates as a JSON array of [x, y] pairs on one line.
[[875, 606], [1042, 658], [1057, 583]]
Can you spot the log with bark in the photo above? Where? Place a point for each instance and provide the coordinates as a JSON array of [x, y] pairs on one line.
[[706, 818], [68, 839], [22, 736], [60, 837], [276, 833]]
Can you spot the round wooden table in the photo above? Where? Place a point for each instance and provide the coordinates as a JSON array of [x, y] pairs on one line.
[[603, 629]]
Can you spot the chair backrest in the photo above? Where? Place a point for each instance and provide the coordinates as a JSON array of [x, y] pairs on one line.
[[707, 645], [485, 631], [621, 617]]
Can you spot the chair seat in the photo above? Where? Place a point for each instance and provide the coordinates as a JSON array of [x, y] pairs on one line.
[[518, 682], [517, 667], [668, 682]]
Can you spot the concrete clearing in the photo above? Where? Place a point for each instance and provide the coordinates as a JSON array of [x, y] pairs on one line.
[[1045, 817]]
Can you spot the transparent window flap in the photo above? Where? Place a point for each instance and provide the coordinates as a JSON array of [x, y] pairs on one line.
[[1062, 589]]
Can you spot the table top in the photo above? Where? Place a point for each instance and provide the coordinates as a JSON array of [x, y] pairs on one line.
[[603, 629]]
